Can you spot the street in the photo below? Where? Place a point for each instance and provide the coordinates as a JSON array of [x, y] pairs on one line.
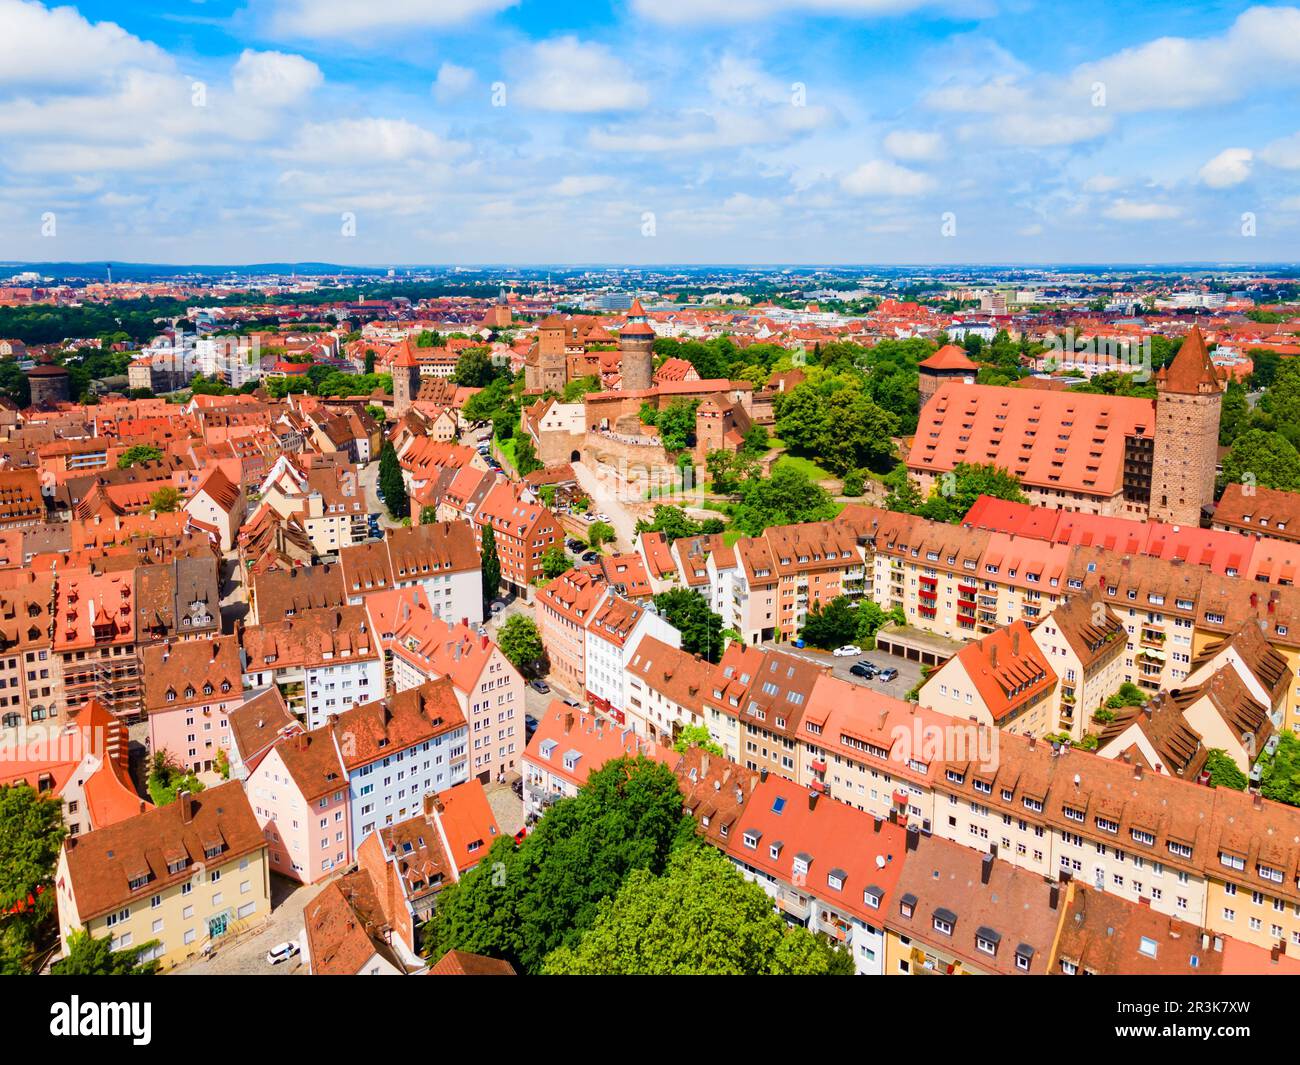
[[247, 957], [604, 498]]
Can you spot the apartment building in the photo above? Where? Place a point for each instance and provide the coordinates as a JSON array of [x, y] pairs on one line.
[[665, 689], [299, 795], [323, 661], [614, 633], [441, 558], [399, 749], [178, 876], [424, 647], [563, 609], [189, 689]]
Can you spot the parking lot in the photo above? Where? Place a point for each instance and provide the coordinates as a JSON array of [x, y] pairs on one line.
[[909, 673]]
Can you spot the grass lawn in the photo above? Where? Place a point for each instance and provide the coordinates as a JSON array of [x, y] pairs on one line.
[[805, 466], [508, 450], [731, 536]]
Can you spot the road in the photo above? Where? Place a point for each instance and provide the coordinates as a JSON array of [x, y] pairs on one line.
[[604, 497], [247, 957], [369, 479], [909, 673]]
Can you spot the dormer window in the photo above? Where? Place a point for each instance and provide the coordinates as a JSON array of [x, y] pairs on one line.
[[986, 941], [944, 921]]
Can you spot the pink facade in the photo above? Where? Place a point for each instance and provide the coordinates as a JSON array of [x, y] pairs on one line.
[[308, 836], [193, 734]]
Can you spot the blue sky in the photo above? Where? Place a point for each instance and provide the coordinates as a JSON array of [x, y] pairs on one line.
[[649, 131]]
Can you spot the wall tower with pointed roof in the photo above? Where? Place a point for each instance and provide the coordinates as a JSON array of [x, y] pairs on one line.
[[1189, 401], [636, 343]]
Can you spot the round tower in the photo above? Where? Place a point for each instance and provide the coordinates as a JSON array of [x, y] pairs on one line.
[[636, 343]]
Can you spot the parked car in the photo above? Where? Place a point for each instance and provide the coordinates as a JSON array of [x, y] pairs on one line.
[[859, 670], [541, 686], [889, 674], [871, 667], [481, 630], [572, 702], [280, 953], [497, 605], [530, 724], [590, 556], [799, 642], [518, 787], [575, 545], [847, 651]]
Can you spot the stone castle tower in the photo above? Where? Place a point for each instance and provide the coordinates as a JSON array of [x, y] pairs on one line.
[[636, 342], [1189, 398], [949, 363], [406, 381], [546, 369]]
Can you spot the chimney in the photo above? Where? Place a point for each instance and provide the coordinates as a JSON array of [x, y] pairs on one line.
[[993, 656], [913, 837], [1033, 743], [187, 806], [1258, 800], [812, 800], [568, 722], [986, 868], [1054, 896], [1015, 643], [1137, 770], [762, 775], [876, 823], [143, 804]]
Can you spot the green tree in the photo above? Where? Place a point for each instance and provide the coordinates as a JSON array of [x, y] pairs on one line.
[[700, 917], [31, 831], [727, 469], [855, 483], [137, 454], [167, 500], [490, 565], [89, 956], [671, 521], [832, 625], [474, 369], [903, 496], [1235, 413], [523, 902], [696, 736], [391, 483], [1280, 771], [167, 780], [554, 562], [526, 460], [1129, 694], [520, 641], [601, 532], [579, 387], [370, 361], [955, 493], [872, 618], [788, 497], [688, 612], [1223, 771], [676, 424], [1263, 458]]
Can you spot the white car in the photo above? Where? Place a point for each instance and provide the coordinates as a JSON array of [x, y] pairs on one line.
[[283, 952], [847, 651]]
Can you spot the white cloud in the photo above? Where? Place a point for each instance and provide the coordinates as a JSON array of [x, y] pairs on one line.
[[581, 185], [1102, 183], [1230, 167], [1041, 130], [346, 18], [275, 79], [994, 96], [914, 146], [680, 12], [360, 141], [566, 74], [1133, 211], [452, 81], [58, 47], [1260, 49], [880, 177], [1283, 153]]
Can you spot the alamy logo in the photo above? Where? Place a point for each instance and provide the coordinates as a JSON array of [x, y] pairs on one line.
[[77, 1018]]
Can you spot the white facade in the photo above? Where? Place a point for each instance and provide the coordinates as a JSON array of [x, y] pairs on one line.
[[393, 788], [607, 661]]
